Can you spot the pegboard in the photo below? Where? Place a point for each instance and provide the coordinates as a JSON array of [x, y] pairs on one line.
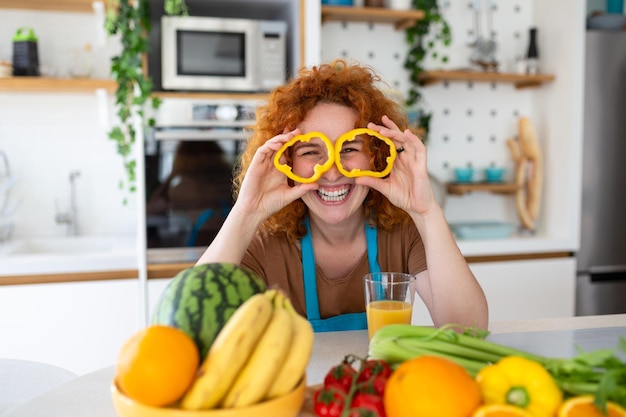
[[471, 121]]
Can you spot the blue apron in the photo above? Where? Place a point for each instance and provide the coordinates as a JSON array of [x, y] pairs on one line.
[[350, 321]]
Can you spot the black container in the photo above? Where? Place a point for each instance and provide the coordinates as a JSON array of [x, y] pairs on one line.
[[532, 55], [25, 53]]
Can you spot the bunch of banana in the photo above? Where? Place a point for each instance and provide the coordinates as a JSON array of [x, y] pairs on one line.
[[261, 352]]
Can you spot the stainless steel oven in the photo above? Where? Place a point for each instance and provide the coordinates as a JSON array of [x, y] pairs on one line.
[[189, 160]]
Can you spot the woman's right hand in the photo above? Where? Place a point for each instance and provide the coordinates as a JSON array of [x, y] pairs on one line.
[[264, 189]]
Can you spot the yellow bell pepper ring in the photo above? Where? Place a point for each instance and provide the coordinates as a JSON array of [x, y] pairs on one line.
[[520, 382], [318, 169], [356, 172]]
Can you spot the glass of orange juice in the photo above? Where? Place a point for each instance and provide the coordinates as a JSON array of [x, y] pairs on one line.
[[389, 299]]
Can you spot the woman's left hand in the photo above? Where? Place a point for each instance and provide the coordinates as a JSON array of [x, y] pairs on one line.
[[408, 185]]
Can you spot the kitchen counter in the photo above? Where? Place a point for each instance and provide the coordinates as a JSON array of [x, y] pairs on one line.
[[91, 258], [89, 395]]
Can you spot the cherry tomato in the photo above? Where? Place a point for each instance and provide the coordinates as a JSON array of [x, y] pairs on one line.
[[374, 367], [375, 385], [340, 377], [371, 402], [328, 402]]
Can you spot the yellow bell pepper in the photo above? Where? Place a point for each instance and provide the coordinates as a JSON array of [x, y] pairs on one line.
[[318, 170], [520, 382], [356, 172], [334, 155]]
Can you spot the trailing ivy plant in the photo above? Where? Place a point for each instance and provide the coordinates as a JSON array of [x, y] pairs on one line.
[[131, 20], [425, 39]]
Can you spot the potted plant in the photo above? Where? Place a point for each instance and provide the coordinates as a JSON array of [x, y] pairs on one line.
[[131, 20], [425, 38]]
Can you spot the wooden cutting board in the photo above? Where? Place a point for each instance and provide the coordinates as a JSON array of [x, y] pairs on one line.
[[307, 406]]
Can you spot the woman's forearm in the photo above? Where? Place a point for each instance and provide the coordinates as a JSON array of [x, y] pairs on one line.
[[453, 292]]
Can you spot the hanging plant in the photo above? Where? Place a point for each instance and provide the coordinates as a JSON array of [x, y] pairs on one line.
[[425, 39], [131, 20]]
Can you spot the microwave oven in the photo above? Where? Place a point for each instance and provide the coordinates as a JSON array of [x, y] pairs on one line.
[[222, 54]]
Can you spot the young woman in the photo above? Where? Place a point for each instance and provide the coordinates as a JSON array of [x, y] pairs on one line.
[[316, 240]]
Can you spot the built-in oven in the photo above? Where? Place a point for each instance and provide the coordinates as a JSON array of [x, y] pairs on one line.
[[189, 160]]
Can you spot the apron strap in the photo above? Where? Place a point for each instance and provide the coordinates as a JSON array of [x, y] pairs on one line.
[[351, 321]]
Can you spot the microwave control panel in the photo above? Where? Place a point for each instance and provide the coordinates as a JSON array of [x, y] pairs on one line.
[[272, 48]]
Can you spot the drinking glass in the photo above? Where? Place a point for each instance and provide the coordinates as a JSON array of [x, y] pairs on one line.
[[389, 299]]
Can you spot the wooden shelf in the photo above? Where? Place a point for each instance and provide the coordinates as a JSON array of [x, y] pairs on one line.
[[80, 6], [520, 80], [457, 188], [54, 85], [401, 19]]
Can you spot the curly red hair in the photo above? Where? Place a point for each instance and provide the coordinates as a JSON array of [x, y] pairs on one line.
[[337, 82]]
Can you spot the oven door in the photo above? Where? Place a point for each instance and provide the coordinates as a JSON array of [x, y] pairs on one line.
[[189, 188]]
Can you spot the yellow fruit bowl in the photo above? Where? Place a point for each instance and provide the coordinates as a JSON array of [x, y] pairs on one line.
[[288, 405]]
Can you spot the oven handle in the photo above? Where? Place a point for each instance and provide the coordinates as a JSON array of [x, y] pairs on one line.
[[200, 134]]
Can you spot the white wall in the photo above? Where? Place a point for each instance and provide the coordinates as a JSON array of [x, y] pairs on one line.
[[46, 136]]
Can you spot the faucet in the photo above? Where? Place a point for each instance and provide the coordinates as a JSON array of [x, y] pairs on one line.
[[70, 217], [7, 181]]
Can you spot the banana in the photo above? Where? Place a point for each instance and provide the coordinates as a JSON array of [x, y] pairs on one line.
[[298, 356], [255, 379], [229, 352]]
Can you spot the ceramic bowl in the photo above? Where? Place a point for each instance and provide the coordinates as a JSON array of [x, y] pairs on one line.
[[494, 174], [463, 174], [289, 405]]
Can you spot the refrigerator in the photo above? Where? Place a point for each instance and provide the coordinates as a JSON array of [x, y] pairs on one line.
[[601, 261]]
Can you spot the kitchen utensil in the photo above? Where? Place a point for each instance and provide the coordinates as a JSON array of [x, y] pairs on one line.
[[25, 53], [494, 174], [484, 47], [464, 174]]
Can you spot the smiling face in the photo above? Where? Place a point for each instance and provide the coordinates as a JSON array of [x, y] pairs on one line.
[[338, 197]]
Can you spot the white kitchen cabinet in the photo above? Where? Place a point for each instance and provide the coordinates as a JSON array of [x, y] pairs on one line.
[[521, 290], [77, 326], [528, 289]]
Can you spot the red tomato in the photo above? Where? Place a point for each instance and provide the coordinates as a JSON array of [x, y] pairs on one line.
[[371, 402], [340, 377], [328, 402], [376, 385], [374, 367]]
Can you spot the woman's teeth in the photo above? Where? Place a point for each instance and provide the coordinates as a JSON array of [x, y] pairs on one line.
[[336, 195]]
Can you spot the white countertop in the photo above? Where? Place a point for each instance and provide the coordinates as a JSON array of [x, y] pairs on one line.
[[89, 395], [69, 254]]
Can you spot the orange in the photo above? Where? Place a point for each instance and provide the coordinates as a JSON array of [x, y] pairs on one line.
[[500, 410], [582, 406], [431, 386], [157, 365]]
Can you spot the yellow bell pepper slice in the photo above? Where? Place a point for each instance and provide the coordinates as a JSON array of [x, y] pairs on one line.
[[520, 382], [318, 169], [356, 172]]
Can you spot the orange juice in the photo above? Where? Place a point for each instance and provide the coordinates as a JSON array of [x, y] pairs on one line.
[[383, 312]]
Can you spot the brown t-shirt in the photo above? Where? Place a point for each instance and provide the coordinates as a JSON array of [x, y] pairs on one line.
[[279, 263]]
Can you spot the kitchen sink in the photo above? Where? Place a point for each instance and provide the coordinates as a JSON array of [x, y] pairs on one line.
[[64, 245], [67, 254]]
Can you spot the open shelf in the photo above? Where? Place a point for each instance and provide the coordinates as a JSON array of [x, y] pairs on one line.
[[458, 188], [401, 19], [520, 80], [55, 85], [79, 6]]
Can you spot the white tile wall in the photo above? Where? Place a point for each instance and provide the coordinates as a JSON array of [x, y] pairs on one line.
[[47, 135]]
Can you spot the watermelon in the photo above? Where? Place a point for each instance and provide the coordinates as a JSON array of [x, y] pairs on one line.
[[201, 299]]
